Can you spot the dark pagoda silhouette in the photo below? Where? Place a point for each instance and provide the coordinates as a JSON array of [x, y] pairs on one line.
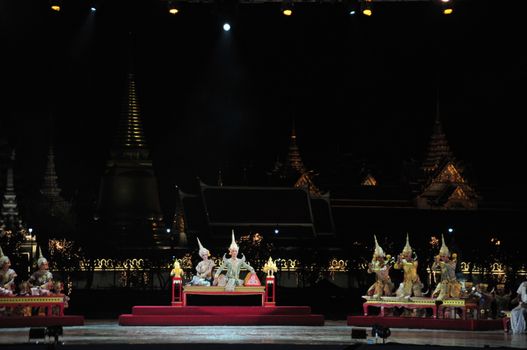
[[128, 208], [53, 213], [15, 237], [443, 184]]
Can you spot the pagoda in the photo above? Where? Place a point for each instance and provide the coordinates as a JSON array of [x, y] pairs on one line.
[[443, 183], [128, 207]]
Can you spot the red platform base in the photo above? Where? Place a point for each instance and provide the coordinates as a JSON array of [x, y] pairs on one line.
[[220, 315], [41, 321], [425, 323]]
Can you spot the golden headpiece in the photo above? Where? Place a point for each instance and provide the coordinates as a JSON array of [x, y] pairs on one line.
[[202, 249], [378, 252], [41, 260], [3, 259], [407, 248], [233, 245], [444, 249]]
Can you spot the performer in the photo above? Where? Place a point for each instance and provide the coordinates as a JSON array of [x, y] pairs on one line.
[[379, 265], [41, 279], [203, 269], [449, 287], [7, 275], [407, 261], [233, 266], [519, 313]]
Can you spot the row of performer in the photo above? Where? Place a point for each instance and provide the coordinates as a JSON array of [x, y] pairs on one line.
[[381, 264]]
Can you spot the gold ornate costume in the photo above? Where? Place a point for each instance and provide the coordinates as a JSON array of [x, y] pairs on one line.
[[411, 285]]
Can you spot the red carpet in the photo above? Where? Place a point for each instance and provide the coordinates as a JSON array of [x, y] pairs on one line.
[[220, 315], [425, 323], [41, 321]]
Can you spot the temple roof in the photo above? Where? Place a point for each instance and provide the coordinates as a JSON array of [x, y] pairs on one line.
[[438, 148]]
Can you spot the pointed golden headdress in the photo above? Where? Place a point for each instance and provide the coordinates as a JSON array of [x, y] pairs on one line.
[[233, 245], [378, 250], [3, 258], [444, 249], [41, 260], [202, 249], [407, 248]]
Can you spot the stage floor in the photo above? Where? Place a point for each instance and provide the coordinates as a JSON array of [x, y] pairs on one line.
[[334, 335]]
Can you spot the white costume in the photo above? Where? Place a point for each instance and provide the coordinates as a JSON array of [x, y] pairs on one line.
[[204, 268], [519, 313]]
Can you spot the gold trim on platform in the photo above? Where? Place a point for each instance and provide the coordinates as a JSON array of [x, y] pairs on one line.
[[222, 289]]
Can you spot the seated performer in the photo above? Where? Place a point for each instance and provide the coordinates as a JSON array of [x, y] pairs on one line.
[[449, 287], [233, 266], [379, 265], [407, 261], [41, 279], [7, 275], [204, 268], [519, 313]]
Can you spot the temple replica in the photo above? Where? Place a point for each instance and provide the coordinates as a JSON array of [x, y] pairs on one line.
[[227, 287]]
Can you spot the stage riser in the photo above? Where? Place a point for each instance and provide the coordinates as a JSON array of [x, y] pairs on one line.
[[41, 321], [221, 320], [425, 323], [220, 310]]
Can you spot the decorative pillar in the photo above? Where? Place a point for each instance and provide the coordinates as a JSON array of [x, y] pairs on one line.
[[270, 286], [177, 291]]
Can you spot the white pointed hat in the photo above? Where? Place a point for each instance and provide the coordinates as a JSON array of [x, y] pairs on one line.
[[378, 250], [41, 260], [233, 245], [444, 249], [202, 249]]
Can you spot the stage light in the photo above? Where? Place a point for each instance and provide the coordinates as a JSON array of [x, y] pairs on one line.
[[287, 8], [276, 231], [447, 7], [366, 8], [379, 331], [173, 8], [93, 9], [226, 27], [351, 7], [55, 5], [450, 230]]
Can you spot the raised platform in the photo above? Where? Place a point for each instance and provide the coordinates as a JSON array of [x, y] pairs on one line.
[[215, 290], [220, 315], [425, 323], [41, 321]]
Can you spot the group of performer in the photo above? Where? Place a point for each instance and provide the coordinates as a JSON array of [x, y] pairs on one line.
[[204, 269], [411, 286], [40, 283]]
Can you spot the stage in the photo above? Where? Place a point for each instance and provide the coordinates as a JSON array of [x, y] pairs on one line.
[[333, 335]]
